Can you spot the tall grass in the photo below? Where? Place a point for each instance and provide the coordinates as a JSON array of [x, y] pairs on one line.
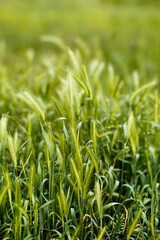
[[79, 150]]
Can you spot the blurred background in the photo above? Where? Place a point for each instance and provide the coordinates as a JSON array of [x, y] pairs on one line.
[[127, 31]]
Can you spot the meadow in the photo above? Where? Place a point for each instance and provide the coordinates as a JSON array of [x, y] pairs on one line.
[[79, 120]]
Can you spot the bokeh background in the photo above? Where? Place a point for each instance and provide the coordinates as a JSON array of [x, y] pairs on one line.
[[128, 31]]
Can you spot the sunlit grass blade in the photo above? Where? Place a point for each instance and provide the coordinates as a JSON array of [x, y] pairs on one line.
[[94, 137], [98, 193], [45, 204], [71, 114], [75, 145], [9, 184], [47, 140], [3, 127], [101, 234], [133, 225], [12, 149]]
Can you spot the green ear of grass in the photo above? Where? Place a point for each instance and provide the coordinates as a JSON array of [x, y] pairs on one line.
[[55, 40], [98, 193], [31, 179], [3, 192], [77, 175], [74, 60], [58, 106], [60, 159], [132, 132], [63, 199], [22, 211], [30, 100], [87, 180], [93, 158], [142, 89], [82, 84]]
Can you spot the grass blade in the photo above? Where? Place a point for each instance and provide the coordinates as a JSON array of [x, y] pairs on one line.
[[101, 233], [76, 173], [47, 141], [132, 227], [12, 149]]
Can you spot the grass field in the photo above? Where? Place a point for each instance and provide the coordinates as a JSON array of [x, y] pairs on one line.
[[79, 120]]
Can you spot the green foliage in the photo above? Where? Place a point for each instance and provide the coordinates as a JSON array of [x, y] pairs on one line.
[[79, 136]]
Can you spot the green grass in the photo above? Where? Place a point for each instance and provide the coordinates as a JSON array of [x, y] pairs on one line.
[[79, 121]]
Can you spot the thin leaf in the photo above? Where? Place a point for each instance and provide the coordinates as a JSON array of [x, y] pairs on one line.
[[47, 142], [12, 150], [132, 227], [101, 233]]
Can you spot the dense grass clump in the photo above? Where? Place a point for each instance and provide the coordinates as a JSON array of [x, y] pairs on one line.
[[79, 148]]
